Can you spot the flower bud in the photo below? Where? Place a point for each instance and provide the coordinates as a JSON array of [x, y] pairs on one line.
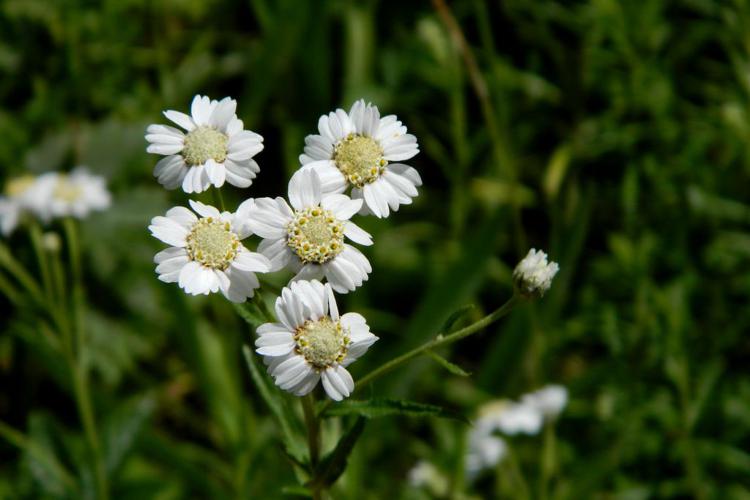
[[533, 275]]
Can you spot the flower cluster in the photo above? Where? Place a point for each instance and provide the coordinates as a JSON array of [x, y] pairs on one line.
[[52, 195], [349, 168], [532, 277], [510, 418]]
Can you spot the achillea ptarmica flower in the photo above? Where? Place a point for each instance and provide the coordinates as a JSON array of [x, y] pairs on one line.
[[308, 237], [311, 342], [355, 149], [549, 400], [22, 195], [215, 148], [206, 255], [76, 194], [532, 276], [510, 418]]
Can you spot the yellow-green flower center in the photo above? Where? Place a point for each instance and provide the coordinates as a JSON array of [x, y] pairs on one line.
[[204, 143], [212, 243], [315, 235], [17, 186], [65, 190], [322, 342], [360, 159]]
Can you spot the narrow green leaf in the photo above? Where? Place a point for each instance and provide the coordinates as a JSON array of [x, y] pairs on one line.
[[278, 407], [451, 367], [296, 491], [382, 407], [334, 464], [247, 313], [123, 427], [456, 316]]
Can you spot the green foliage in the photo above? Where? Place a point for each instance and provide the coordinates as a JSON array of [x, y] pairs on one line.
[[613, 134]]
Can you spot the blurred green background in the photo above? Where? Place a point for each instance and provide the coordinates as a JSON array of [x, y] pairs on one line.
[[612, 134]]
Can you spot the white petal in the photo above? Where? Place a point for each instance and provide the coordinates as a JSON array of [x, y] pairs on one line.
[[251, 261], [406, 171], [309, 271], [374, 200], [170, 171], [277, 252], [304, 189], [269, 218], [242, 284], [223, 113], [241, 173], [357, 234], [168, 231], [332, 181], [341, 205], [201, 109], [180, 119], [312, 294], [204, 210], [164, 149], [333, 308], [216, 172]]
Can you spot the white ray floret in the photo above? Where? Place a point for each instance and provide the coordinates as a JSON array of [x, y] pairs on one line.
[[360, 150], [309, 237], [213, 149], [311, 342], [205, 254], [533, 276]]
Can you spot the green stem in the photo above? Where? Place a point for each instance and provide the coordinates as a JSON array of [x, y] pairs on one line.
[[219, 199], [522, 490], [77, 358], [313, 440], [439, 341], [41, 257]]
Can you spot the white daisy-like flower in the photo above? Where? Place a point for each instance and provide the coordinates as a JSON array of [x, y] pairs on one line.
[[311, 342], [309, 236], [549, 401], [215, 148], [425, 475], [205, 254], [356, 149], [22, 195], [76, 194], [532, 276]]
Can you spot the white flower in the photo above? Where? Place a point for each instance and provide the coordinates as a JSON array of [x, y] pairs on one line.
[[549, 401], [215, 148], [426, 475], [485, 451], [22, 195], [206, 255], [73, 195], [355, 148], [308, 237], [312, 342], [533, 275], [510, 418]]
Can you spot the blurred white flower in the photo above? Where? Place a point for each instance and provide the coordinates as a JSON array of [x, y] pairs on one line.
[[533, 275], [21, 195], [214, 150], [206, 255], [510, 418], [484, 451], [73, 195], [549, 401], [308, 237], [354, 149], [311, 342], [426, 475]]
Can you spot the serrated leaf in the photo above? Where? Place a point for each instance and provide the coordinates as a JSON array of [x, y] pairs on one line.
[[334, 464], [450, 324], [451, 367], [278, 407], [384, 407]]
